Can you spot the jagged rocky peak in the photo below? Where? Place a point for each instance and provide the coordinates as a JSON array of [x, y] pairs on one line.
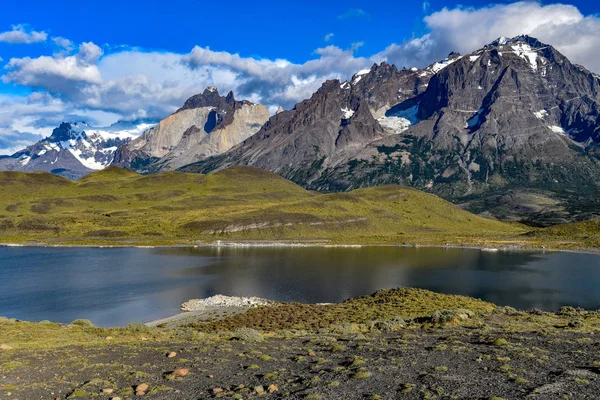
[[68, 131], [210, 97], [505, 41], [207, 124]]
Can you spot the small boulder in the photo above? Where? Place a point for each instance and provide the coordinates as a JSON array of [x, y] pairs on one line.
[[181, 372], [172, 354], [5, 347], [108, 391], [259, 390], [141, 388], [217, 390], [272, 389]]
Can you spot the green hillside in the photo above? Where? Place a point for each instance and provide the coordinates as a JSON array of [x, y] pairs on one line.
[[121, 207]]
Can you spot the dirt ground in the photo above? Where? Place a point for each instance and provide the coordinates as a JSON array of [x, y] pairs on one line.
[[424, 363]]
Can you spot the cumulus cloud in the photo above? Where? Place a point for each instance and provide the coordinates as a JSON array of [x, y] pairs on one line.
[[65, 45], [56, 74], [328, 37], [465, 29], [279, 82], [20, 35]]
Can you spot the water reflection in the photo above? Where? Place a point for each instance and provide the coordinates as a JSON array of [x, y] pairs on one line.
[[117, 286]]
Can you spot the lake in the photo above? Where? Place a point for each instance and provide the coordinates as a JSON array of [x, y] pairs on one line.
[[115, 286]]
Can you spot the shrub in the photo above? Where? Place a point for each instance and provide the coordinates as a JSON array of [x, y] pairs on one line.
[[248, 335], [392, 325], [505, 310], [138, 328], [451, 316], [86, 323], [361, 375]]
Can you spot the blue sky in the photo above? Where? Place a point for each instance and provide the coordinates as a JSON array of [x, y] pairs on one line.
[[270, 29], [109, 60]]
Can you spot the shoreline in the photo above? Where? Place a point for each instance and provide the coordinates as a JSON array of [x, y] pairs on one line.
[[591, 251]]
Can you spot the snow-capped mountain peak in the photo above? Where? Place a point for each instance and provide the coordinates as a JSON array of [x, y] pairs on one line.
[[74, 149]]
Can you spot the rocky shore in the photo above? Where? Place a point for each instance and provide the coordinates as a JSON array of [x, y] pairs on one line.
[[224, 301]]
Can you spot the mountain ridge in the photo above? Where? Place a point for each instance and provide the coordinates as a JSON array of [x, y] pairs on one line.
[[513, 115]]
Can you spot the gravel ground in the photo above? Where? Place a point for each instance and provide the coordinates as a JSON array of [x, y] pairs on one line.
[[441, 363]]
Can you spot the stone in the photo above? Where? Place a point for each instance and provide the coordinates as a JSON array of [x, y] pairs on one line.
[[108, 391], [5, 347], [172, 354], [259, 390], [272, 389], [142, 387], [181, 372], [115, 398], [217, 390]]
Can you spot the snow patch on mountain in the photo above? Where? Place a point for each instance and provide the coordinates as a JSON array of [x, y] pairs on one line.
[[358, 76], [347, 113], [400, 121]]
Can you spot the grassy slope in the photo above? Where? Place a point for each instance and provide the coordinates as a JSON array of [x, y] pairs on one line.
[[118, 206], [584, 234]]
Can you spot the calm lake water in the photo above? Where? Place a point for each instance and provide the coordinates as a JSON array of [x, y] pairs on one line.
[[115, 286]]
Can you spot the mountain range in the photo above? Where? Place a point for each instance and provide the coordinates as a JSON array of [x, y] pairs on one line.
[[510, 130], [74, 149]]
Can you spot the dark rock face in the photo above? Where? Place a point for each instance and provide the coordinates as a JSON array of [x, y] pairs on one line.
[[72, 150], [513, 116], [332, 126]]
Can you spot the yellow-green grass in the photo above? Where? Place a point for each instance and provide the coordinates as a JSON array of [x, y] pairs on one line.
[[30, 335], [574, 235], [116, 206], [381, 306]]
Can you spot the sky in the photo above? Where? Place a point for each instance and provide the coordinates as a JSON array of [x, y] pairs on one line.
[[104, 61]]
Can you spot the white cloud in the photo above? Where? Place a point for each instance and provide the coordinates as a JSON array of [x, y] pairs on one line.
[[467, 29], [19, 35], [57, 74], [64, 44], [279, 82], [328, 37]]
